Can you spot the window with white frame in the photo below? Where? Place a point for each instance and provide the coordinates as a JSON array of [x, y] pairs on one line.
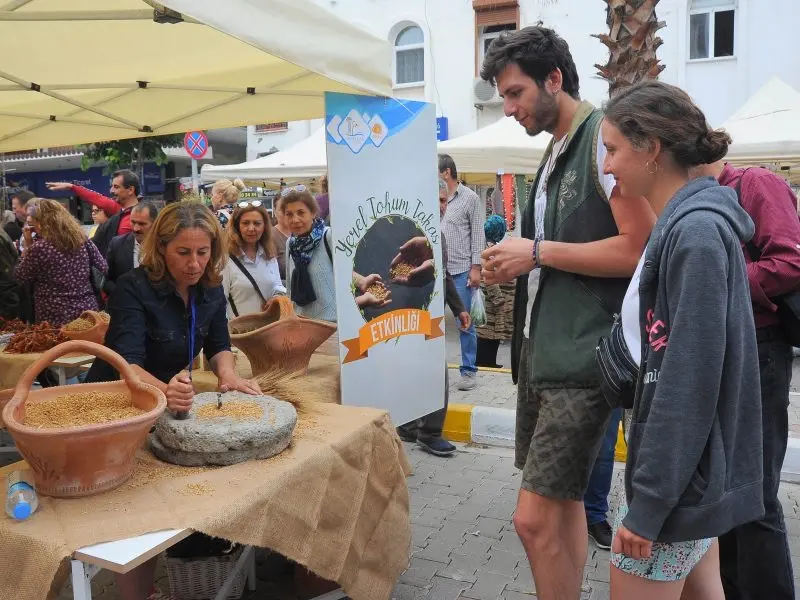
[[711, 29], [409, 56], [490, 33]]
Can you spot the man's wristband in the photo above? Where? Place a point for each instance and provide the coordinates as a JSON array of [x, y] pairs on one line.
[[535, 252]]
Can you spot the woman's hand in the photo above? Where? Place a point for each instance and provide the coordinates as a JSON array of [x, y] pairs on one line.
[[631, 545], [465, 319], [228, 381], [27, 232], [180, 393]]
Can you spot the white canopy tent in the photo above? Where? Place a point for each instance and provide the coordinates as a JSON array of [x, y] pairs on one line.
[[502, 147], [96, 70], [304, 160], [766, 130]]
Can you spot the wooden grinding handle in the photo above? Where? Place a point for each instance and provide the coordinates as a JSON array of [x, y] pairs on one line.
[[82, 347]]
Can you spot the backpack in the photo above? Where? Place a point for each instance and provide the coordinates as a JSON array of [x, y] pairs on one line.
[[788, 304]]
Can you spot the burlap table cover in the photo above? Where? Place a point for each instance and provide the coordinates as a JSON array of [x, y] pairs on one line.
[[336, 502]]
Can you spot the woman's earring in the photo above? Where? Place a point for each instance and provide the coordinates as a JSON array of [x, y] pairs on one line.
[[647, 168]]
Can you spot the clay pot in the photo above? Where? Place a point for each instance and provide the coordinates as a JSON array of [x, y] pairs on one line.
[[82, 461], [96, 334], [5, 396], [277, 338]]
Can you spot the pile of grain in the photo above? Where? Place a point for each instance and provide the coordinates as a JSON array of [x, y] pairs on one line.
[[380, 291], [197, 489], [401, 269], [104, 317], [79, 324], [82, 408], [239, 411]]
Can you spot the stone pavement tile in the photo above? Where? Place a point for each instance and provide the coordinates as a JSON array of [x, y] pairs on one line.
[[510, 542], [490, 527], [420, 572], [420, 534], [447, 501], [600, 590], [438, 551], [446, 589], [475, 545], [462, 568], [430, 517], [429, 489], [500, 509], [523, 583], [503, 563], [513, 595], [467, 513], [488, 586], [403, 591], [486, 462]]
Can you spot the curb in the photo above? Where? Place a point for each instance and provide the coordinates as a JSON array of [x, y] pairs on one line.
[[496, 426], [475, 424]]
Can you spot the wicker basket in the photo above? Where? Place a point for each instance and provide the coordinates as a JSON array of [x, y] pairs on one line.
[[201, 578]]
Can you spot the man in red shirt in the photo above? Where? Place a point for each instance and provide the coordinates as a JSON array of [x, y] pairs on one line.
[[125, 190], [754, 559]]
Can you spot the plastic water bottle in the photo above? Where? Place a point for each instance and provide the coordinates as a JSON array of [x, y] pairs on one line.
[[21, 499]]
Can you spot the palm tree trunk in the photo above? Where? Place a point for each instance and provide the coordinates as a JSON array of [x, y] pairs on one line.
[[632, 43]]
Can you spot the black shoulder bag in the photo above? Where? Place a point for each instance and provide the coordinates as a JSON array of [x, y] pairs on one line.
[[618, 372], [788, 304], [247, 274]]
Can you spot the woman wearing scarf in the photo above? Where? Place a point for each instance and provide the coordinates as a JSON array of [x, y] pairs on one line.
[[309, 260]]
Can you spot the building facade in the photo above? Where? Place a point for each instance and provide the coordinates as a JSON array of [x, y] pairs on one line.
[[720, 51]]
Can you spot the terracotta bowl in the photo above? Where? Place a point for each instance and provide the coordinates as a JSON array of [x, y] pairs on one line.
[[86, 460], [96, 334], [5, 396], [277, 338]]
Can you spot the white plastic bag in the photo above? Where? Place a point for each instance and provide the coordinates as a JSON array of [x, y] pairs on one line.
[[477, 310]]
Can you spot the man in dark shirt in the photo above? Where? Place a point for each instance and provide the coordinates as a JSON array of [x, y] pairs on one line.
[[18, 202], [754, 559], [123, 251]]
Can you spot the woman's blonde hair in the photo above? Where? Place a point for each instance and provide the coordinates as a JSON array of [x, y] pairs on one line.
[[234, 236], [176, 217], [229, 190], [56, 225]]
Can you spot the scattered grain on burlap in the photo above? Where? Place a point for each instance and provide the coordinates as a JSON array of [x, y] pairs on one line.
[[80, 408]]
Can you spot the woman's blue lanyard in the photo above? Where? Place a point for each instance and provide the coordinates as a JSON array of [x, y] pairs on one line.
[[190, 335]]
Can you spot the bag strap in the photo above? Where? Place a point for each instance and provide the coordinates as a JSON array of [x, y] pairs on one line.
[[752, 249], [247, 274], [233, 306], [327, 244]]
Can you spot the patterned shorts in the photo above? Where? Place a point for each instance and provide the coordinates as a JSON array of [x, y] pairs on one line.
[[559, 432], [667, 562]]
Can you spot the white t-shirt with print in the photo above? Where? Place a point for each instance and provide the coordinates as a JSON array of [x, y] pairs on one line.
[[540, 204], [630, 315]]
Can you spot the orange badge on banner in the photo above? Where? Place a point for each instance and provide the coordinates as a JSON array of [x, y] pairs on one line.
[[395, 324]]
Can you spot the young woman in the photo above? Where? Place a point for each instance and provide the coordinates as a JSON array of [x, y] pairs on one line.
[[224, 194], [99, 217], [57, 258], [309, 260], [251, 276], [694, 445]]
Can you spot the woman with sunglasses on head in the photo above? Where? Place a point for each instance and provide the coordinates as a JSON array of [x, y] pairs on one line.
[[251, 277], [694, 466], [99, 217], [224, 195], [309, 260]]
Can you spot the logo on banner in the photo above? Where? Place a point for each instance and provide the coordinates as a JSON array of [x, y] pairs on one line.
[[389, 326]]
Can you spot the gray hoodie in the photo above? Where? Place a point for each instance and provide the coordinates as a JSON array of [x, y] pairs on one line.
[[694, 450]]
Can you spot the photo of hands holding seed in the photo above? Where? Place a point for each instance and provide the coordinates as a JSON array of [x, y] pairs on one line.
[[393, 268]]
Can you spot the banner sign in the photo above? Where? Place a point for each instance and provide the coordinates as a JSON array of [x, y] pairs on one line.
[[384, 202]]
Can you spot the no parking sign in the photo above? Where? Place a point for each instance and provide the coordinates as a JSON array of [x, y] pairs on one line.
[[196, 144]]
